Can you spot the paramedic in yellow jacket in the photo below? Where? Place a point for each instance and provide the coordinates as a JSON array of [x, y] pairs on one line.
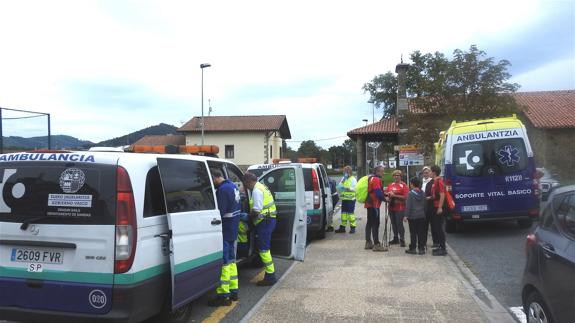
[[263, 216], [346, 188]]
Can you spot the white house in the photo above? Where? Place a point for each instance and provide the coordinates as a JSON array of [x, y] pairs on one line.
[[245, 140]]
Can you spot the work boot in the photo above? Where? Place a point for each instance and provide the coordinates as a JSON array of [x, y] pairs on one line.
[[434, 246], [421, 252], [266, 282], [439, 252], [329, 228], [220, 301], [368, 245], [411, 251], [352, 230], [379, 247], [394, 241], [402, 243], [341, 229]]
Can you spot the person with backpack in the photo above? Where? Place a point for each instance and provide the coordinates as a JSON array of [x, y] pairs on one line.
[[438, 211], [346, 188], [415, 214], [372, 203], [397, 194]]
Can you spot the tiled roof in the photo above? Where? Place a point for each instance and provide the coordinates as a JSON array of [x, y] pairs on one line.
[[239, 123], [385, 126], [162, 140], [548, 109]]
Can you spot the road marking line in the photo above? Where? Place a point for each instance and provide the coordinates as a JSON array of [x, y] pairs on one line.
[[220, 313], [258, 277], [519, 314]]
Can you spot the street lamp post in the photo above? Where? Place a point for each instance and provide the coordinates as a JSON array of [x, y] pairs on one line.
[[202, 66]]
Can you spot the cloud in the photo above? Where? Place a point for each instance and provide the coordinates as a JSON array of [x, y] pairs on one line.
[[107, 68]]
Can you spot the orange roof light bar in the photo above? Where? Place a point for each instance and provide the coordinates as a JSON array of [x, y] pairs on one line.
[[171, 149]]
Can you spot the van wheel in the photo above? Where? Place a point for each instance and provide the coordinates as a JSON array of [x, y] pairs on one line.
[[525, 223], [320, 234], [181, 315], [536, 310], [450, 226]]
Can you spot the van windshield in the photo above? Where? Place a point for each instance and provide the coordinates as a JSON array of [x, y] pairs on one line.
[[66, 193], [493, 157]]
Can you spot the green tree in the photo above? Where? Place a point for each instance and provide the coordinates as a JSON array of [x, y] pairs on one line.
[[470, 85], [308, 148], [383, 91], [290, 154]]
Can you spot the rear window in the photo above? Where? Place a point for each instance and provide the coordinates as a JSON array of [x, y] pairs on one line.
[[308, 179], [64, 193], [494, 157]]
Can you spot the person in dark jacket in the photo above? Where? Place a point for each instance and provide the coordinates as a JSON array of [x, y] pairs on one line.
[[228, 196], [426, 184], [415, 214]]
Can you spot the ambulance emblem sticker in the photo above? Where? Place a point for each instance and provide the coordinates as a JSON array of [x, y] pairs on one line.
[[72, 180], [508, 155]]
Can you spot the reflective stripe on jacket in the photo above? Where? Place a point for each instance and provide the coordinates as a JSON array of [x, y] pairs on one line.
[[269, 206], [348, 184]]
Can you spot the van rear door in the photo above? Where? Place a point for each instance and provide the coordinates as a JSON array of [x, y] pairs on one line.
[[195, 228], [57, 232], [288, 188]]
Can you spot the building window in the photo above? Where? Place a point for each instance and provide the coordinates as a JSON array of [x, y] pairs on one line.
[[271, 151], [230, 151]]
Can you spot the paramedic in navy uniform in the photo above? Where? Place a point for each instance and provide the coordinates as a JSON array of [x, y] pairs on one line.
[[228, 196]]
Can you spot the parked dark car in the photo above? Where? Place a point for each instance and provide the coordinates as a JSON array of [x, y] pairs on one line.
[[548, 291]]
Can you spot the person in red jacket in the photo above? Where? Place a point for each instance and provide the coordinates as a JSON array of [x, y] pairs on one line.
[[397, 193], [372, 204], [438, 212]]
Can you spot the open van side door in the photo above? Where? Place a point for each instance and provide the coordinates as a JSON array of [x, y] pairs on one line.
[[288, 188], [195, 228]]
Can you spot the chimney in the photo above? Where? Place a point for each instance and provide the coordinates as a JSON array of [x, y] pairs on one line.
[[401, 70]]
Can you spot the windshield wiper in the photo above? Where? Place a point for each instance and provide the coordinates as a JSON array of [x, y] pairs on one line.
[[37, 219]]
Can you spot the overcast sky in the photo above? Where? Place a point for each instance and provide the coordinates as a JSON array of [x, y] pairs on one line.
[[103, 69]]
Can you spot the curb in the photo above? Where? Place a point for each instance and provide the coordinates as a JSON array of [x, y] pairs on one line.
[[262, 300], [489, 305]]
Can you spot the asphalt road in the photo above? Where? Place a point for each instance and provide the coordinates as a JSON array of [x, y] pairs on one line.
[[495, 253], [249, 295]]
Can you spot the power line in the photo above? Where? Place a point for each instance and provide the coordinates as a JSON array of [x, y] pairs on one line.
[[324, 139]]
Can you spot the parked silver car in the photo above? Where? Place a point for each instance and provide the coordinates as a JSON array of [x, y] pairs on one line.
[[547, 181]]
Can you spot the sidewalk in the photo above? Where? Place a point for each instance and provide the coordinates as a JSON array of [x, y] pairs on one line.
[[339, 281]]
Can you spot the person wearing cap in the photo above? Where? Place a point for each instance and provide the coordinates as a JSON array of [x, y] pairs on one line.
[[263, 216], [228, 197], [397, 193]]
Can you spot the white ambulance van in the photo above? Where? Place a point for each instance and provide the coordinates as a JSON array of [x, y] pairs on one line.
[[318, 194], [94, 236]]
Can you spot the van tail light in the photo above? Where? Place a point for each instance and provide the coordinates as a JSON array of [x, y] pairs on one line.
[[456, 216], [536, 183], [533, 212], [126, 233], [530, 242], [315, 182], [448, 185]]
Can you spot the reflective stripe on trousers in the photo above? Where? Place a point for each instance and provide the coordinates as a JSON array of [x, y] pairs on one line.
[[224, 289], [266, 257]]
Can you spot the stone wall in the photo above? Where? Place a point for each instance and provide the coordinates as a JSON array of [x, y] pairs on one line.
[[554, 149]]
